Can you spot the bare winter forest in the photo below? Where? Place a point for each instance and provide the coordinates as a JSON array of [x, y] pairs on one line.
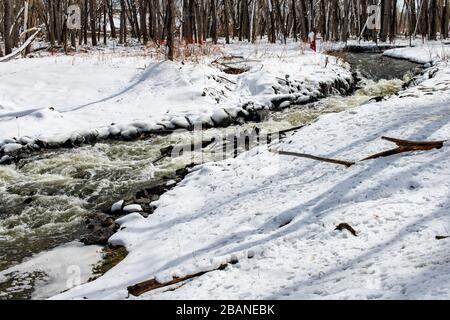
[[195, 21]]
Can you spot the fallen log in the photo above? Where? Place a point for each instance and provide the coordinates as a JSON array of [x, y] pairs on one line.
[[346, 226], [312, 157], [417, 145], [406, 146], [152, 284]]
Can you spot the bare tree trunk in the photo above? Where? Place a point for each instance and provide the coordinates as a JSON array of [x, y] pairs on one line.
[[393, 21], [344, 31], [444, 24], [214, 34], [171, 29], [386, 15], [111, 18], [281, 25], [303, 21], [272, 34], [424, 23], [433, 19], [105, 36], [143, 20], [199, 19], [123, 23], [312, 16], [364, 32], [413, 13], [158, 26], [85, 22], [323, 24], [7, 25], [227, 21], [92, 13]]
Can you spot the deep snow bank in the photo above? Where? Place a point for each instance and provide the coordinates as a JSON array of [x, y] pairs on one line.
[[277, 215]]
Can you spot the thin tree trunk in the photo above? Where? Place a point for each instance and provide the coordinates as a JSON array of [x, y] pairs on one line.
[[281, 25], [386, 14], [92, 13], [227, 21], [272, 35], [344, 31], [303, 21], [444, 27], [393, 21], [433, 19], [7, 10], [214, 34], [171, 29], [143, 20], [111, 18]]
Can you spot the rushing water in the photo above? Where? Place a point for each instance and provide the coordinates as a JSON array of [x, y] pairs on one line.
[[45, 198]]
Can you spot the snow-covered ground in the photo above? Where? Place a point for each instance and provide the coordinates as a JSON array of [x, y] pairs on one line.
[[48, 273], [58, 97], [422, 53], [276, 215]]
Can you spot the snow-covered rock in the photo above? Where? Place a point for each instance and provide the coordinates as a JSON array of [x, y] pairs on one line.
[[132, 208], [117, 207], [11, 147]]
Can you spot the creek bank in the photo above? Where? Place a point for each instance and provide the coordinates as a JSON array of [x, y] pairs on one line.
[[101, 226], [379, 48]]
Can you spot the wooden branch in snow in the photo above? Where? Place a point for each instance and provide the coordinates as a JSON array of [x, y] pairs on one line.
[[22, 47], [402, 146], [152, 284], [417, 145], [309, 156], [226, 79], [407, 146], [346, 226]]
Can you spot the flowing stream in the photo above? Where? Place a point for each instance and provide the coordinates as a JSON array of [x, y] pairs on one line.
[[45, 198]]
